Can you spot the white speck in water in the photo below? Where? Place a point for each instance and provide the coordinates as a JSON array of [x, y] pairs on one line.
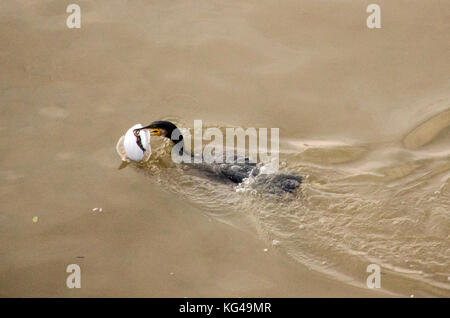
[[412, 296], [94, 209], [100, 210], [275, 242], [265, 250]]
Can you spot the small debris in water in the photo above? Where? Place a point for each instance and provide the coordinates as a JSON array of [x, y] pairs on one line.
[[265, 250], [412, 296], [171, 273], [94, 209], [275, 242], [35, 219], [97, 209]]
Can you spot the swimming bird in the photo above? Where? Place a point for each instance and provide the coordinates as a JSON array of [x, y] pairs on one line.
[[235, 172]]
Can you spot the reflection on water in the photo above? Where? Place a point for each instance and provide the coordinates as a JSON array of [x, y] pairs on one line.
[[359, 204]]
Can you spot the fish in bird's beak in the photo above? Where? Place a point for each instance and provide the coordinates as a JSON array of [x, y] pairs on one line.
[[135, 144], [153, 132]]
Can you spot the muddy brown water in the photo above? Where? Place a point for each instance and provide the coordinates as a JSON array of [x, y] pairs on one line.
[[363, 115]]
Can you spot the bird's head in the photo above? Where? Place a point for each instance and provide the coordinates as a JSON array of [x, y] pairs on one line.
[[159, 128]]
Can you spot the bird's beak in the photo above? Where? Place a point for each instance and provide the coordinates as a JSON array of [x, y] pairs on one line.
[[155, 132]]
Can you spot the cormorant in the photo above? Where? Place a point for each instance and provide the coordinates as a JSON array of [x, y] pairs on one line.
[[235, 172]]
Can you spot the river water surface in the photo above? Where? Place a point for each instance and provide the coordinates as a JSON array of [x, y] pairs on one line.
[[364, 117]]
